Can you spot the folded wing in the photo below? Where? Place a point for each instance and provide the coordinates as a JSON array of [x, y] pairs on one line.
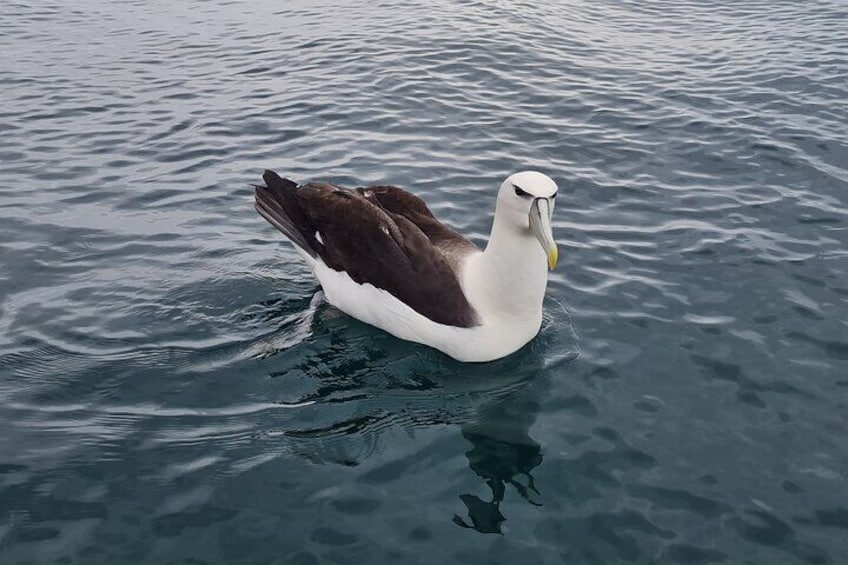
[[383, 236]]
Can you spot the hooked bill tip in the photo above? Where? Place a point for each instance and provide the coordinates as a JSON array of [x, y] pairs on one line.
[[553, 257]]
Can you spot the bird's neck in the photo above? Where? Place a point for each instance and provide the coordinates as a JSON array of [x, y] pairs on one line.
[[509, 278]]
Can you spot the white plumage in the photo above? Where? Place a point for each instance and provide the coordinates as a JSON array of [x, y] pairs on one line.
[[504, 284]]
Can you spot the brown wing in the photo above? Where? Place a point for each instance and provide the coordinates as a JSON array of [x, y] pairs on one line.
[[388, 245], [397, 201]]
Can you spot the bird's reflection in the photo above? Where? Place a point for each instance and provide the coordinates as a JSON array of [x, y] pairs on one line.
[[362, 383], [503, 455]]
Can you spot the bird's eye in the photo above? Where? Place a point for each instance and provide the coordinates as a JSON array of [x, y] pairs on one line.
[[519, 192]]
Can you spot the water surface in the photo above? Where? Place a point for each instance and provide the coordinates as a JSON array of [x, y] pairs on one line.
[[168, 394]]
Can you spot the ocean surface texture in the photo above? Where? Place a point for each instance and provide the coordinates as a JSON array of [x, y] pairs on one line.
[[170, 395]]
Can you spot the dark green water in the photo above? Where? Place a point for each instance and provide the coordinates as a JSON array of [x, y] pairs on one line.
[[168, 396]]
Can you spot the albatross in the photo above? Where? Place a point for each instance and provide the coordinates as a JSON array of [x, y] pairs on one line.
[[382, 257]]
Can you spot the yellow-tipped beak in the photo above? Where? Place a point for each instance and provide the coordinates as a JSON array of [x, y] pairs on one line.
[[553, 256], [540, 225]]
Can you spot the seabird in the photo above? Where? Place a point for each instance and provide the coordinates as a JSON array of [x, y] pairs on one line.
[[383, 258]]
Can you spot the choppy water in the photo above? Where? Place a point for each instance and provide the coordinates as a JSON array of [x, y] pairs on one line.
[[167, 395]]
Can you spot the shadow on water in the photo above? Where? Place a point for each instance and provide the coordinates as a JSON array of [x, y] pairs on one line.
[[503, 455], [367, 384]]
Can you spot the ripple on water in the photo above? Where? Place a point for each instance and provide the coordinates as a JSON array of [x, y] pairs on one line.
[[170, 393]]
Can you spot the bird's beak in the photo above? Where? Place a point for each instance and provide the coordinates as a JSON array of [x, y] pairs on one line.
[[540, 225]]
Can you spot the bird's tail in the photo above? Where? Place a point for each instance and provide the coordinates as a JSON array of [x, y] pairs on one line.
[[277, 203]]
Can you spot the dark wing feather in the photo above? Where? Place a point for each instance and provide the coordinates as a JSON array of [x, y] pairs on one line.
[[277, 203], [379, 243], [397, 201]]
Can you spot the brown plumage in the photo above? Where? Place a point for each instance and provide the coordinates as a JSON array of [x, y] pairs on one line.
[[379, 235]]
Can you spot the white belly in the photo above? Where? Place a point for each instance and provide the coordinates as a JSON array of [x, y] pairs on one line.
[[491, 340]]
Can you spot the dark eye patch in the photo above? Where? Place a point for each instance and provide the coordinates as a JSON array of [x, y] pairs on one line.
[[519, 192]]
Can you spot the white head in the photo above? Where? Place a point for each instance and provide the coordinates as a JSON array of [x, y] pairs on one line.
[[526, 201]]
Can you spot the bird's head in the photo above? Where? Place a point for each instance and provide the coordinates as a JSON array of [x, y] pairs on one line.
[[527, 200]]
